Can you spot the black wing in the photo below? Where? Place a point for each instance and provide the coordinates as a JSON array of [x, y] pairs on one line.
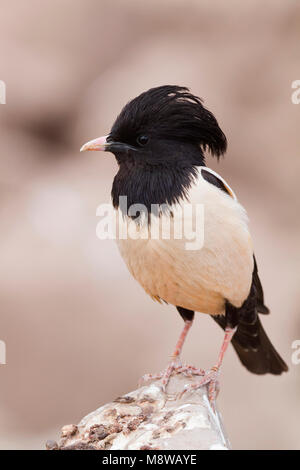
[[250, 341], [261, 308]]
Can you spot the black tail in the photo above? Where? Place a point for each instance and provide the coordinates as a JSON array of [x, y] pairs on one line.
[[254, 348]]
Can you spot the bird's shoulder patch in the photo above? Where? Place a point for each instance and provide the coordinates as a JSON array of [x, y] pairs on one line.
[[213, 178]]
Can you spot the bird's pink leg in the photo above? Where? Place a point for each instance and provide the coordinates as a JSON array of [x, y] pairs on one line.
[[175, 364], [211, 376], [176, 354], [182, 338], [229, 332]]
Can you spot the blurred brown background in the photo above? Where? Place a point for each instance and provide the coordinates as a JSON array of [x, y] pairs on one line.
[[72, 317]]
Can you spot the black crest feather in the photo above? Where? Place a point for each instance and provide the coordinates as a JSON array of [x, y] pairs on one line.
[[171, 112]]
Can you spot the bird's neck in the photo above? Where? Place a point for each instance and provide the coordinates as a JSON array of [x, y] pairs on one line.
[[152, 185]]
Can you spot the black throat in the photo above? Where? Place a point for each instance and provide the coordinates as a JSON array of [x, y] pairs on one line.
[[149, 184]]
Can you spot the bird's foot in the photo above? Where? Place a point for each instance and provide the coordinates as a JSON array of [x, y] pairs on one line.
[[179, 368], [189, 371], [174, 367], [165, 375], [211, 379]]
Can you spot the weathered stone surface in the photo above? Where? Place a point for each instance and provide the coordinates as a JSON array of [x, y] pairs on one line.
[[148, 418]]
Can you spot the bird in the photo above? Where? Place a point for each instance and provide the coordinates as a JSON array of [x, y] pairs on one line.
[[161, 140]]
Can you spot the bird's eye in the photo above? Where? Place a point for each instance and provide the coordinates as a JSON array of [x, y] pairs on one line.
[[142, 139]]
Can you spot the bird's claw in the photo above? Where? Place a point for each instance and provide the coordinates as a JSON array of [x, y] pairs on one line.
[[211, 379], [165, 375], [174, 367]]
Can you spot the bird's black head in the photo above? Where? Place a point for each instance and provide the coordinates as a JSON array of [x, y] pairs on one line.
[[164, 126], [158, 139]]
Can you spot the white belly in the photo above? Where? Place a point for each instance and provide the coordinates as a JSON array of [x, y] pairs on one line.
[[196, 279]]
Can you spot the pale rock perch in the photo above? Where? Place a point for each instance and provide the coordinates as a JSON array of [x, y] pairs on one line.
[[148, 418]]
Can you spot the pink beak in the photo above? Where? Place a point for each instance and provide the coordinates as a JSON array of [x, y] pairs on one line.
[[96, 144]]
